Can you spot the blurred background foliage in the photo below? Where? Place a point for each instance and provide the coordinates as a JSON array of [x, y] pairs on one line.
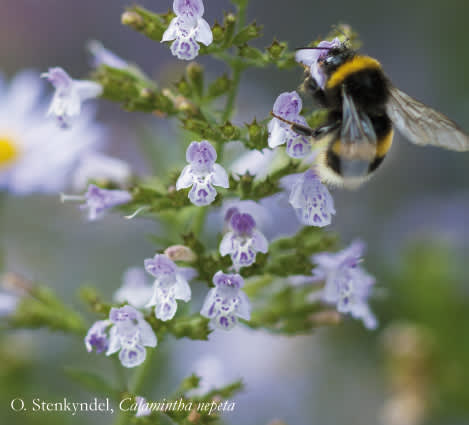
[[413, 214]]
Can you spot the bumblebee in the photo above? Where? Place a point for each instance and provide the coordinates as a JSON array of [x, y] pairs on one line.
[[363, 108]]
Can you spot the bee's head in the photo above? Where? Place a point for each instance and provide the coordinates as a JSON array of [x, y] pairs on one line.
[[334, 57], [324, 58]]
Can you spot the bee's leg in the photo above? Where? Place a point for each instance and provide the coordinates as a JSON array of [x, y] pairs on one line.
[[302, 130], [312, 88], [326, 129]]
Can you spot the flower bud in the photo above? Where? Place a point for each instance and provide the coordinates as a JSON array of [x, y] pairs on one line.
[[180, 253], [276, 49], [132, 19], [183, 87], [229, 131], [218, 32], [251, 53], [248, 33], [195, 75], [229, 24]]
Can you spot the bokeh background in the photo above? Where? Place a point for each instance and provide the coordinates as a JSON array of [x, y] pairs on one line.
[[414, 216]]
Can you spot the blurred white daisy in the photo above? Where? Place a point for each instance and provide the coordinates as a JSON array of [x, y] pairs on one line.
[[36, 155]]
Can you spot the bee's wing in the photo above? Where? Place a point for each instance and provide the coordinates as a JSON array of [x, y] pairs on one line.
[[358, 139], [423, 125]]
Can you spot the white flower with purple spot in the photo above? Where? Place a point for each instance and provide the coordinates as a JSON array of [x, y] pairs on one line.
[[313, 58], [98, 201], [135, 289], [243, 241], [311, 200], [347, 284], [288, 106], [171, 284], [202, 174], [35, 155], [69, 95], [188, 29], [226, 302], [129, 336]]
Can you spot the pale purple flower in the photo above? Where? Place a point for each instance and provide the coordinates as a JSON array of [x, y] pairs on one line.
[[312, 57], [129, 335], [243, 240], [98, 201], [288, 106], [38, 157], [171, 284], [311, 200], [347, 284], [202, 174], [135, 289], [226, 302], [188, 29], [97, 336], [142, 407], [69, 95], [103, 56], [100, 167]]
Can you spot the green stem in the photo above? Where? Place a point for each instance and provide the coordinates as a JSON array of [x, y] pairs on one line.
[[199, 221], [238, 69], [122, 379], [141, 373]]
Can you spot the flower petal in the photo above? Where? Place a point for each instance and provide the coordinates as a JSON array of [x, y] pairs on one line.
[[147, 335], [182, 290], [204, 32], [186, 178], [132, 356], [220, 177], [260, 242], [226, 244], [171, 32]]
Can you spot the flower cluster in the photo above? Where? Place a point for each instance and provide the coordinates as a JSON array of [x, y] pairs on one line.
[[347, 284], [202, 173], [288, 106], [188, 29], [125, 332]]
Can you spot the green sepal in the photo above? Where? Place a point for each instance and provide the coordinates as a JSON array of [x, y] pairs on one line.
[[248, 33]]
